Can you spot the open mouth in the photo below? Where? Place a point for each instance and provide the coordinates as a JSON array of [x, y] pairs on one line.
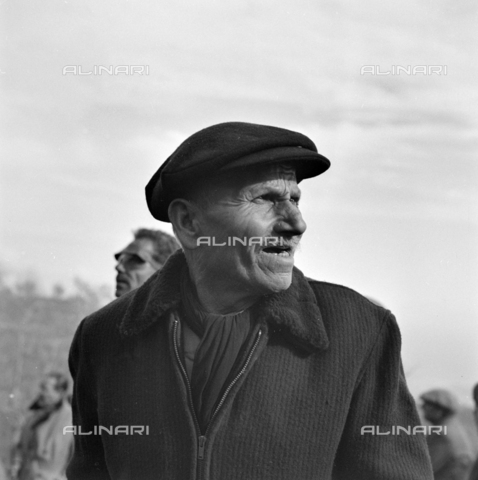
[[278, 250]]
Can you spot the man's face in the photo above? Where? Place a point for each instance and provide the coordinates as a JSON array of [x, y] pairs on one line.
[[134, 265], [49, 395], [260, 203]]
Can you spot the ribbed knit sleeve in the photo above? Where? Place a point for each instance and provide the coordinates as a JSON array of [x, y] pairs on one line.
[[88, 461], [381, 400], [474, 472]]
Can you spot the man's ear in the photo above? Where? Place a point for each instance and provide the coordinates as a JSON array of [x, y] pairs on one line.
[[184, 215]]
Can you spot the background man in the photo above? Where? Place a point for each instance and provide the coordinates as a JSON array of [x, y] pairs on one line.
[[43, 451], [145, 255], [451, 453], [241, 367]]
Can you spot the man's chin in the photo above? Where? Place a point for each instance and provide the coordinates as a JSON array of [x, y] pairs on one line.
[[276, 283], [121, 289]]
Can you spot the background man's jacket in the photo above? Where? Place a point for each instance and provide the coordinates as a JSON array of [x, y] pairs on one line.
[[451, 454]]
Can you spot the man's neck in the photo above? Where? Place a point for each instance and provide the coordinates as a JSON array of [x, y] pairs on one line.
[[217, 294], [221, 300]]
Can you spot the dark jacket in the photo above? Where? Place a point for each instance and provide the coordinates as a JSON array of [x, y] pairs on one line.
[[323, 362], [474, 471]]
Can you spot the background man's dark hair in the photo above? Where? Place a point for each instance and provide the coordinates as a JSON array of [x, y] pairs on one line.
[[164, 244]]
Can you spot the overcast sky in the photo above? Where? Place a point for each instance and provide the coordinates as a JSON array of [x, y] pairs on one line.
[[394, 218]]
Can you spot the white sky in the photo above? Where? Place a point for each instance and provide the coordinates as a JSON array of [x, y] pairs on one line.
[[394, 218]]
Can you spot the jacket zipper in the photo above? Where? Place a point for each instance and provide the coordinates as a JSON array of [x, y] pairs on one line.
[[202, 438], [239, 375]]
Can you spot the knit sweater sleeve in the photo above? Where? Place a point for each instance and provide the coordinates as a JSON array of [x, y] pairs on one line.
[[474, 472], [88, 462], [380, 402]]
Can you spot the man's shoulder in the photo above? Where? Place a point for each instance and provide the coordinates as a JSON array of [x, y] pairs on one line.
[[327, 292], [108, 318], [346, 309]]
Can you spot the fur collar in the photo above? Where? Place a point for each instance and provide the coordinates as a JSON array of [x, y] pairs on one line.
[[293, 313]]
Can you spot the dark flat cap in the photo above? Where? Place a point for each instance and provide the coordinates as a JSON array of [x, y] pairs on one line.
[[224, 147]]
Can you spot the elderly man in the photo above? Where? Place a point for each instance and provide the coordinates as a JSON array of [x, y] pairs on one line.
[[145, 255], [239, 366]]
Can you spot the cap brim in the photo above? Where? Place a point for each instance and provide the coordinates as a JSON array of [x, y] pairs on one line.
[[307, 163]]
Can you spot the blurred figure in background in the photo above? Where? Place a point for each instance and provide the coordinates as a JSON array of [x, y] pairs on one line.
[[451, 452], [145, 255], [43, 451], [474, 472], [3, 473]]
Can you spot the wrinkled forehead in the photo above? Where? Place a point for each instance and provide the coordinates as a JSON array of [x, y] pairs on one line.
[[245, 179]]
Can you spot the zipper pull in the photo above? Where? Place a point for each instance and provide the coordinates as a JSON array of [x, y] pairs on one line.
[[201, 446]]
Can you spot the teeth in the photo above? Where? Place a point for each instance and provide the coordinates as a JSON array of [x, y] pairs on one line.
[[284, 253]]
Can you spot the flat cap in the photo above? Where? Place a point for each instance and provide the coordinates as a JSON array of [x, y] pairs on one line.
[[224, 147], [441, 398]]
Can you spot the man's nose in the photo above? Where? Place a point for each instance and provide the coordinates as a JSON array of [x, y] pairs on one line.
[[290, 220]]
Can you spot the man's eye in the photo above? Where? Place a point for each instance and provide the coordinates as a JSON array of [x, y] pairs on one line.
[[138, 260], [295, 200], [132, 260]]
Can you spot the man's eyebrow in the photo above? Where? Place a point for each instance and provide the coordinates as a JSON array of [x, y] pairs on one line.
[[278, 190]]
